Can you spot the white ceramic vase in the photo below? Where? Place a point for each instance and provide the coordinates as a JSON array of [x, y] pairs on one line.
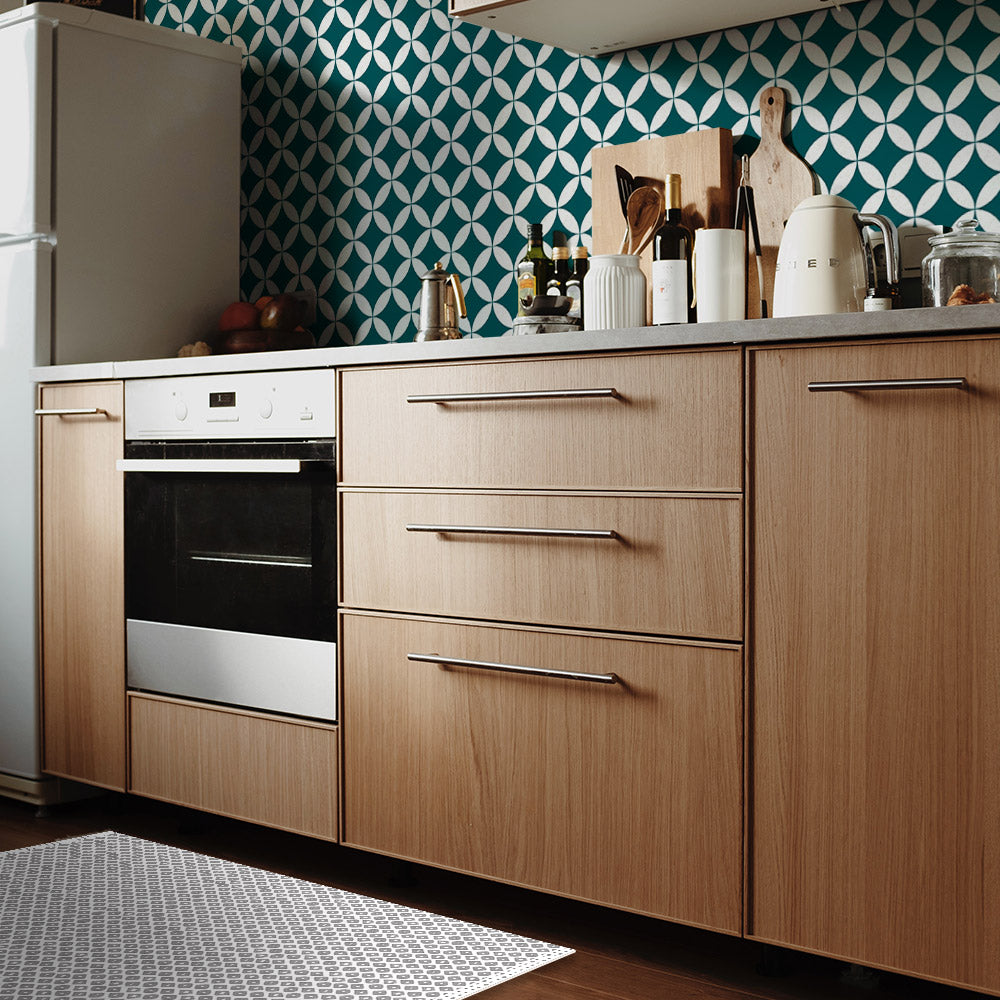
[[614, 292]]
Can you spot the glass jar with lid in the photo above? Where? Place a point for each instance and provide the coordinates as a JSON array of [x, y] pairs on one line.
[[963, 267]]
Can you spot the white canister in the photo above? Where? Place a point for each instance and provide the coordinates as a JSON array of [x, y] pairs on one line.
[[720, 274], [614, 292]]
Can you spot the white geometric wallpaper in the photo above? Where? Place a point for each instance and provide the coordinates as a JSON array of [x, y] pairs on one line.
[[381, 136]]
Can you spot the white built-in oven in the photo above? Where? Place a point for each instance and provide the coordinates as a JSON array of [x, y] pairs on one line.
[[230, 539]]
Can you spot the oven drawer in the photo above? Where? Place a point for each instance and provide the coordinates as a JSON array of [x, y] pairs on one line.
[[650, 564], [273, 771], [626, 793], [673, 423]]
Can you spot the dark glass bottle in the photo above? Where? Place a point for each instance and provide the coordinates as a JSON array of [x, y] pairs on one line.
[[533, 270], [574, 286], [561, 271], [671, 270]]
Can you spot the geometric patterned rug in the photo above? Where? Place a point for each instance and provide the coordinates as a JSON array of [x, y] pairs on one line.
[[112, 917]]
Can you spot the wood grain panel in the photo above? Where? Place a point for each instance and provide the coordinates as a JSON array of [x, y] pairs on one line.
[[876, 694], [274, 771], [627, 794], [674, 569], [82, 585], [676, 426]]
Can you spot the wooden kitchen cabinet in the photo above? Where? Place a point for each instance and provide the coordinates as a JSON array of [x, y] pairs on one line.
[[875, 601], [82, 583], [626, 793], [271, 770], [459, 487]]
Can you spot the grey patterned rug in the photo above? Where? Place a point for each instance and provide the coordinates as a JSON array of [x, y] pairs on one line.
[[111, 917]]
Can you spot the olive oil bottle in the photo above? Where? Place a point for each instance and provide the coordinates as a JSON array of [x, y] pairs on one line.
[[534, 270], [561, 270], [574, 286]]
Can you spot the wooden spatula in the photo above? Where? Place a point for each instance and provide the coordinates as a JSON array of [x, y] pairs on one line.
[[781, 179], [644, 209]]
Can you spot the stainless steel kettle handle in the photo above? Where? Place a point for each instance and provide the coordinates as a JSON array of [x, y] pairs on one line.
[[891, 238]]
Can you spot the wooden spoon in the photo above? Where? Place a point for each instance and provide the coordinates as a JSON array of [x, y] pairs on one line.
[[643, 211]]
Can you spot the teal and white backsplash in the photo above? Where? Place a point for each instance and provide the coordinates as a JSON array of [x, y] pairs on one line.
[[381, 136]]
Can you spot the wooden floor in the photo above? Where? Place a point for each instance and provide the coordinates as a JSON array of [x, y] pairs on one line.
[[618, 956]]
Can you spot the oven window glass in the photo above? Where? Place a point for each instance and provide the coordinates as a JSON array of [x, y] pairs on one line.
[[241, 552]]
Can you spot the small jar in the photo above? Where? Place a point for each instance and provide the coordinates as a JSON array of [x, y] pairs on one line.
[[963, 267], [614, 292]]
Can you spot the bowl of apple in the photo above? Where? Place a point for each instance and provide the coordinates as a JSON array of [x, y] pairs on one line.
[[272, 323]]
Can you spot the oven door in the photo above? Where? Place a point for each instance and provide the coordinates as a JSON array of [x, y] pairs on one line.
[[230, 586]]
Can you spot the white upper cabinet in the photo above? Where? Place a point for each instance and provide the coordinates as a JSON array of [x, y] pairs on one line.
[[600, 27]]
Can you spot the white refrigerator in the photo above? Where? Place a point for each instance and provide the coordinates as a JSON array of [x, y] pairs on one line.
[[119, 239]]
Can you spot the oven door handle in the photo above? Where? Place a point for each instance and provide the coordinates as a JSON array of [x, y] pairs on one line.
[[266, 465]]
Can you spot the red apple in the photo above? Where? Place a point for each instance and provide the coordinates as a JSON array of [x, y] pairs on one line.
[[239, 316], [283, 313]]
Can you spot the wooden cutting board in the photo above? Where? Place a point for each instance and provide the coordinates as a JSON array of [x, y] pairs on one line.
[[704, 159], [780, 179]]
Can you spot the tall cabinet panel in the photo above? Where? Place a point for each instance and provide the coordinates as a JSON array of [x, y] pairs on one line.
[[82, 583], [876, 642]]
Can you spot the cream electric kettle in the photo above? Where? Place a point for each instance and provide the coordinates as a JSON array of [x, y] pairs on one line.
[[824, 260]]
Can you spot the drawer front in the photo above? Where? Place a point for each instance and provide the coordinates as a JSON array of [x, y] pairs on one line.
[[671, 566], [625, 793], [674, 423], [275, 772]]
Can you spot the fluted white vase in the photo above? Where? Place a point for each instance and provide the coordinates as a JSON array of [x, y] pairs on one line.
[[614, 292]]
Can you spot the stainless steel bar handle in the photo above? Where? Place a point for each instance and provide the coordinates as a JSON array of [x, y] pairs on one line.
[[266, 465], [89, 411], [486, 529], [513, 668], [484, 397], [879, 385], [253, 560]]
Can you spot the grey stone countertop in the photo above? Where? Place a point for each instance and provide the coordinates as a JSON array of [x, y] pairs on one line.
[[900, 323]]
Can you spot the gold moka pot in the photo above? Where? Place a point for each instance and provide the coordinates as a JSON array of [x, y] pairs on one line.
[[442, 304]]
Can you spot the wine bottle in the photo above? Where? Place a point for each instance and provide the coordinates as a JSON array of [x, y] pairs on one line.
[[574, 285], [671, 271], [533, 270]]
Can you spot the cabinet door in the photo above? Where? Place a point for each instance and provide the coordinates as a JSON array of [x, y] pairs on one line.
[[82, 585], [625, 793], [876, 690]]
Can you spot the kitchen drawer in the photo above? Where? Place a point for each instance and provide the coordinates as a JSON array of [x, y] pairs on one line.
[[674, 423], [672, 567], [624, 793], [273, 771]]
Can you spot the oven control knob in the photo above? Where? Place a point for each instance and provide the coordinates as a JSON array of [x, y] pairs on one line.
[[180, 410], [266, 408]]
